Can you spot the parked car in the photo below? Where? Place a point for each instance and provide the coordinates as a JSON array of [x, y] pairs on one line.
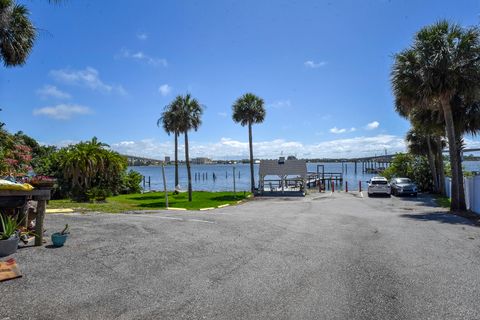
[[378, 185], [403, 186]]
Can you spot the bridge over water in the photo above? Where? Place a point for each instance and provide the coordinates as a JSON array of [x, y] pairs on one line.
[[141, 161]]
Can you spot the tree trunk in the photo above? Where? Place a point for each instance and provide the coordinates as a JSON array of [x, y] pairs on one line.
[[440, 166], [454, 159], [252, 178], [461, 186], [189, 174], [176, 159], [431, 163]]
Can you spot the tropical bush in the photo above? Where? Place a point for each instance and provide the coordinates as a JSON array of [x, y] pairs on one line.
[[131, 182], [413, 167]]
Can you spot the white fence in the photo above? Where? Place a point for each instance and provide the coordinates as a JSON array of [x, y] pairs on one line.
[[472, 192]]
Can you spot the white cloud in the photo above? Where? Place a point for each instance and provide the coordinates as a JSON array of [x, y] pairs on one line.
[[222, 114], [48, 91], [142, 36], [312, 64], [89, 77], [62, 111], [165, 89], [280, 104], [140, 56], [343, 130], [372, 125], [227, 148]]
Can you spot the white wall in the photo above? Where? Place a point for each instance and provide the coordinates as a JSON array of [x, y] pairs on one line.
[[472, 192]]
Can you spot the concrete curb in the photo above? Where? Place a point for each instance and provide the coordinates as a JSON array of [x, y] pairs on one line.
[[177, 209], [205, 209], [223, 205], [59, 210]]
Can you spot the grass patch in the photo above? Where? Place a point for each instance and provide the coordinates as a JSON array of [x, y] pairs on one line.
[[152, 201], [443, 202]]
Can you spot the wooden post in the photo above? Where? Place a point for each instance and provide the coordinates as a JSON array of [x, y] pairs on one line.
[[333, 186], [234, 186], [165, 186], [41, 205]]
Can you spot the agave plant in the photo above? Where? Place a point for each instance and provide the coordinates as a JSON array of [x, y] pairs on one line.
[[9, 227]]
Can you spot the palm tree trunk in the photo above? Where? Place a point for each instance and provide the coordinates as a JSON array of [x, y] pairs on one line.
[[440, 166], [252, 178], [454, 159], [461, 186], [176, 159], [431, 163], [189, 173]]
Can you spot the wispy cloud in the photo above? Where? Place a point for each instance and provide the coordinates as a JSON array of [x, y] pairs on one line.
[[280, 104], [236, 149], [372, 125], [342, 130], [222, 114], [49, 91], [62, 111], [165, 89], [89, 77], [312, 64], [142, 36], [142, 57]]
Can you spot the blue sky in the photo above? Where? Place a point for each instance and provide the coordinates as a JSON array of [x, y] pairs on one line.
[[107, 68]]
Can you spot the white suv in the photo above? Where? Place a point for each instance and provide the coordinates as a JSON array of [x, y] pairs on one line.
[[378, 185]]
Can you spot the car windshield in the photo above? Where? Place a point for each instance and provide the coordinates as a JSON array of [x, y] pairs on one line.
[[379, 182], [404, 180]]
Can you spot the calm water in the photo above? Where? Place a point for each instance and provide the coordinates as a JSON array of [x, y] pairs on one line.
[[224, 175]]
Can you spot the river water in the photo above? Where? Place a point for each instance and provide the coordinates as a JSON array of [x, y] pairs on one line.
[[224, 175]]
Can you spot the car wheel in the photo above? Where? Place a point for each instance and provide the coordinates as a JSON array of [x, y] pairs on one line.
[[369, 195], [415, 194]]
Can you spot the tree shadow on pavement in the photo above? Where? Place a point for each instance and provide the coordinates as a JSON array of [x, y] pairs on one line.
[[422, 199], [442, 217]]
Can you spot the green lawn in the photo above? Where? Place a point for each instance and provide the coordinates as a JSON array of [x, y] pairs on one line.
[[443, 202], [152, 201]]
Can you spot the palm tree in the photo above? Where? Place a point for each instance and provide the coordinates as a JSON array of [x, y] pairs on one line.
[[189, 114], [429, 123], [442, 63], [17, 33], [421, 143], [247, 110], [170, 122]]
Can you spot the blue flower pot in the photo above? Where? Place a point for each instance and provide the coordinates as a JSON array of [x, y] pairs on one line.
[[59, 239]]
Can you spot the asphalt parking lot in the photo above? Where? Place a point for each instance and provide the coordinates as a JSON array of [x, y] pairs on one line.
[[326, 256]]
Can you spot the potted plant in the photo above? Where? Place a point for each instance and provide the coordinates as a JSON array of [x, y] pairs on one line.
[[42, 182], [9, 236], [59, 238]]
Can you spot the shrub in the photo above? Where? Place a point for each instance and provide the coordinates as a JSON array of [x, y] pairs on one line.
[[131, 182]]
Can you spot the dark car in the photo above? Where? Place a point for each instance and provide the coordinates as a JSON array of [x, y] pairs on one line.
[[403, 186]]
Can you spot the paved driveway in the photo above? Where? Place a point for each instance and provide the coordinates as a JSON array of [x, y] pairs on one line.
[[322, 257]]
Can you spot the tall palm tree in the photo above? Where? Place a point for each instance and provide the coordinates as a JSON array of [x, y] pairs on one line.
[[17, 33], [247, 110], [170, 122], [189, 117], [442, 63]]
